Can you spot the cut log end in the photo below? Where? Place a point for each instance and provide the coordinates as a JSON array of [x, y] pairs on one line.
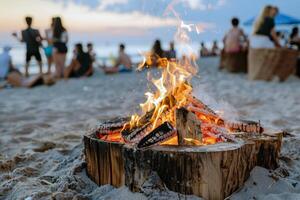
[[212, 171]]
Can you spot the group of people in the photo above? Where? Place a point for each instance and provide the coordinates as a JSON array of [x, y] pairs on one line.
[[54, 43], [214, 51], [55, 49], [264, 34]]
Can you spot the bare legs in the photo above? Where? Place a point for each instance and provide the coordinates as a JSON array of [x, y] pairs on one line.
[[59, 61], [40, 64], [26, 69], [41, 67], [74, 65], [49, 62]]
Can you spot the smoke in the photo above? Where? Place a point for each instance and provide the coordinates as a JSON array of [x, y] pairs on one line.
[[223, 108]]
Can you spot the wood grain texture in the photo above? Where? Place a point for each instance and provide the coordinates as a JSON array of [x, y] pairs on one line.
[[264, 64], [211, 172], [188, 126], [234, 62]]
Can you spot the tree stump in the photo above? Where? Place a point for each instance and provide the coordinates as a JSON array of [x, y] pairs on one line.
[[210, 171], [264, 64], [234, 62]]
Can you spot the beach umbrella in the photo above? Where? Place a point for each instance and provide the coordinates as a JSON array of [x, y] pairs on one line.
[[280, 19]]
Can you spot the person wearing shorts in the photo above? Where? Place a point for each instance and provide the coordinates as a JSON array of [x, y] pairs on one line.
[[60, 49], [32, 38]]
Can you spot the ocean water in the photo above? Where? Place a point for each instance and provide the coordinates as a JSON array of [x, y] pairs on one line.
[[104, 53]]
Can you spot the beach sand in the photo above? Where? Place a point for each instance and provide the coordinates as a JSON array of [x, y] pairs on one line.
[[41, 132]]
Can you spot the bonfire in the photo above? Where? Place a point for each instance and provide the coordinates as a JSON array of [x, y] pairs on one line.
[[192, 148], [173, 116]]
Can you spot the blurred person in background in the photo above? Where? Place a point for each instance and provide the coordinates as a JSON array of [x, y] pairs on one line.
[[81, 64], [13, 77], [156, 54], [294, 39], [123, 63], [60, 39], [281, 38], [235, 39], [6, 65], [49, 48], [90, 50], [32, 38], [264, 34], [171, 53], [215, 49], [203, 50]]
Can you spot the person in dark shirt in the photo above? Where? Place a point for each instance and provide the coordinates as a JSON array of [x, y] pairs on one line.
[[32, 38], [81, 64], [156, 54], [265, 27], [171, 54]]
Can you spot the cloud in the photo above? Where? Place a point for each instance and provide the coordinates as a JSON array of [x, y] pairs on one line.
[[204, 4], [103, 4], [80, 17]]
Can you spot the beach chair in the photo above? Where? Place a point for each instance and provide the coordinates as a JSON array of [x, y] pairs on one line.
[[265, 64], [234, 62]]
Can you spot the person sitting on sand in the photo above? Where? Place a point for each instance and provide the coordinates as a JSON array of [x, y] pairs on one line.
[[123, 63], [204, 51], [264, 34], [81, 64], [91, 52], [6, 65], [14, 77], [156, 54], [294, 39], [171, 54], [235, 39], [215, 49]]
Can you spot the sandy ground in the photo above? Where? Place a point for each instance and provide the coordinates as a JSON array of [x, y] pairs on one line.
[[41, 131]]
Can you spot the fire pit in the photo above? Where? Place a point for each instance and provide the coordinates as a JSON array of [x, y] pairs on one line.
[[192, 148]]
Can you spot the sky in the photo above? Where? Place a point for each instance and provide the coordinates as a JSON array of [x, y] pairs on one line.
[[133, 21]]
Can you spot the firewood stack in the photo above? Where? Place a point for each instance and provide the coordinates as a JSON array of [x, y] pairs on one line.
[[192, 124]]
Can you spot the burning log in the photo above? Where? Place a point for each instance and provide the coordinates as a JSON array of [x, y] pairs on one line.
[[209, 117], [245, 126], [136, 134], [218, 132], [112, 126], [188, 126], [239, 126], [160, 134], [199, 104]]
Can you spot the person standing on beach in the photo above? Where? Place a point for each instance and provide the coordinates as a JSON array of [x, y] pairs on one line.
[[32, 38], [49, 48], [60, 49]]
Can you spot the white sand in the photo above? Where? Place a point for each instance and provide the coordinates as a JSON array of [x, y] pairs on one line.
[[41, 131]]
